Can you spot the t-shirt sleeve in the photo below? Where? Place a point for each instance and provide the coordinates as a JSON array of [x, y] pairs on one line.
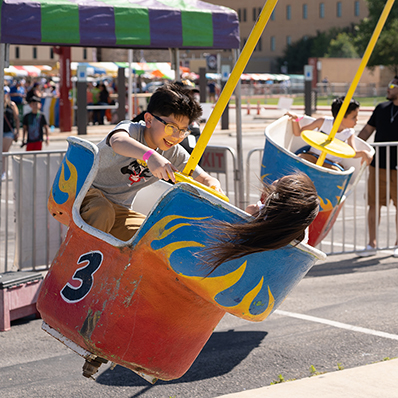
[[373, 119], [126, 126], [43, 120], [25, 120]]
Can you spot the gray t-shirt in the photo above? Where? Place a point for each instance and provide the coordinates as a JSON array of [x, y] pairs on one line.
[[120, 177]]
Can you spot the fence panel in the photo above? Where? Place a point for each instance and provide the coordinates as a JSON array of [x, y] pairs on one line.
[[29, 236]]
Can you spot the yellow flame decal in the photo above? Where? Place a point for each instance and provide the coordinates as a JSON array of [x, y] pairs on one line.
[[326, 206], [68, 186], [212, 286], [164, 232]]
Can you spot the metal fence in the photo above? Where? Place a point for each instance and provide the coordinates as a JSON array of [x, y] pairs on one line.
[[29, 235], [350, 231]]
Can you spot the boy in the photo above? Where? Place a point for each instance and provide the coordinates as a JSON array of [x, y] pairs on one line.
[[345, 132], [34, 126], [135, 155]]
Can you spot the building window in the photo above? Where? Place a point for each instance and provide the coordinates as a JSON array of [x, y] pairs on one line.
[[288, 40], [338, 10], [256, 13], [84, 53], [356, 9], [259, 46], [305, 11], [288, 13], [273, 45], [244, 15], [16, 52], [34, 52], [322, 10], [51, 53], [273, 15]]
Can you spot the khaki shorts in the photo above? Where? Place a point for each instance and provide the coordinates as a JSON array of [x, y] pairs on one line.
[[101, 213], [382, 187]]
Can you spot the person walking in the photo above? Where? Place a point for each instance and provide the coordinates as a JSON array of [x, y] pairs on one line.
[[384, 121], [34, 126]]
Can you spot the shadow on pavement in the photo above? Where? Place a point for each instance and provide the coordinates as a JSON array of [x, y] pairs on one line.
[[222, 352], [352, 265]]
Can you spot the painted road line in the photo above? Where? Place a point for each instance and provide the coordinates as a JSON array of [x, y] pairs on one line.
[[337, 324]]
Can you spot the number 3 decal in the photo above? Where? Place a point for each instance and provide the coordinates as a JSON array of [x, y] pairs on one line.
[[84, 275]]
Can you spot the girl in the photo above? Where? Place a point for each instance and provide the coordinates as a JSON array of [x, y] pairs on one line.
[[287, 207]]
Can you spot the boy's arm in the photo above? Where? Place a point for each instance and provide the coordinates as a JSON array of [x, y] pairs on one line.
[[295, 125], [158, 165], [46, 132], [209, 181], [366, 156], [25, 133]]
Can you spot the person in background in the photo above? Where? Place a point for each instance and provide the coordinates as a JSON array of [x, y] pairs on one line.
[[34, 126], [10, 125], [17, 94], [345, 133], [384, 121], [35, 91], [103, 99]]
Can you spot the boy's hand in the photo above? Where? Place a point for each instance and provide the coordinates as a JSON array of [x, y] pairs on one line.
[[292, 115], [161, 168], [366, 157]]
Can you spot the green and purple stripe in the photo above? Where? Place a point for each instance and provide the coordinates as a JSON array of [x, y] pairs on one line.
[[119, 23]]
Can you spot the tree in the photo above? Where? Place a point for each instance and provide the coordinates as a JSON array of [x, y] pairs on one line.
[[385, 52], [341, 47], [296, 55]]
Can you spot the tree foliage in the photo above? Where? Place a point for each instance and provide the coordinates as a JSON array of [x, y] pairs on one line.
[[341, 47], [385, 52], [350, 42], [296, 55]]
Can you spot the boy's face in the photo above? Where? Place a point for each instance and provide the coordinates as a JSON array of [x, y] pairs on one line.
[[349, 121], [155, 133], [35, 106]]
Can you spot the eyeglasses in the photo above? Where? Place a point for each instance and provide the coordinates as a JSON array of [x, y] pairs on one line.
[[172, 129], [392, 85]]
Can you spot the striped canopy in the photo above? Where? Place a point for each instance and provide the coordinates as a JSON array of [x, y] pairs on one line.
[[119, 23]]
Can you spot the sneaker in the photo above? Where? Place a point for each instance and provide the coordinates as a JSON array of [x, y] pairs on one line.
[[395, 252], [370, 251]]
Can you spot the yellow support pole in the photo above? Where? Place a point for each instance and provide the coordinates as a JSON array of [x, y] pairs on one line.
[[364, 61], [229, 86]]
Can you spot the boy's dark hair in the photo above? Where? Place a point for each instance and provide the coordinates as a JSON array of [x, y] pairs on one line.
[[336, 105], [173, 99]]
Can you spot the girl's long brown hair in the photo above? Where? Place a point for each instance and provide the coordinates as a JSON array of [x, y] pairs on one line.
[[291, 204]]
